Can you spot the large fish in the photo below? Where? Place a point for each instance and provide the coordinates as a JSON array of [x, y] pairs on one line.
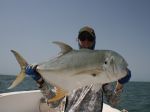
[[72, 69]]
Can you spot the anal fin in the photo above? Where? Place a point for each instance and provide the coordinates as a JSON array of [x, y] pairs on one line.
[[60, 93]]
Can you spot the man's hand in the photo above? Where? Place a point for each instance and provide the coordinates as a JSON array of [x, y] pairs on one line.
[[118, 88], [31, 71]]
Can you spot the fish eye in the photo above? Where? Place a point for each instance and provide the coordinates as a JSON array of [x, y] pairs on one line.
[[105, 62], [93, 74]]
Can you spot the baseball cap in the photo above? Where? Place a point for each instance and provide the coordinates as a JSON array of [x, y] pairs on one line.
[[87, 29]]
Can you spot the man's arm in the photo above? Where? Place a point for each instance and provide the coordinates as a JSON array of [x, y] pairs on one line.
[[112, 95], [48, 90]]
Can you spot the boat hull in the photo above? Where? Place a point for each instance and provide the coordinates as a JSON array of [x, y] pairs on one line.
[[30, 101]]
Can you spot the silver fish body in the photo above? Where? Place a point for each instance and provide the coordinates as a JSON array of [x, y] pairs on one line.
[[77, 68]]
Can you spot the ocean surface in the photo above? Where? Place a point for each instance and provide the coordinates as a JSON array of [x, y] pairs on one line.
[[135, 97]]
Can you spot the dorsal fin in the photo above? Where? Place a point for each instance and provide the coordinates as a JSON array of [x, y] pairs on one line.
[[65, 48]]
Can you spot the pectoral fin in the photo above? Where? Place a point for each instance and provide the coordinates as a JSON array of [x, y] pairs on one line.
[[92, 72]]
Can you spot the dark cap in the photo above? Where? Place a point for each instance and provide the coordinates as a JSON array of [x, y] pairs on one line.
[[87, 29]]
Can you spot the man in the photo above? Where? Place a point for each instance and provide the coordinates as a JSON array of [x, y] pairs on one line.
[[86, 99]]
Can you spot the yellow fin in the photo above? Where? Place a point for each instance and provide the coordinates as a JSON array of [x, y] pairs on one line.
[[23, 63], [18, 80], [60, 93]]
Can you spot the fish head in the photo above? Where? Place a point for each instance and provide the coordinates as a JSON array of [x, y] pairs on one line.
[[114, 66]]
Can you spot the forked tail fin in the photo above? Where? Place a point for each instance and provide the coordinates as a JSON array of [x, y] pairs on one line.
[[22, 62]]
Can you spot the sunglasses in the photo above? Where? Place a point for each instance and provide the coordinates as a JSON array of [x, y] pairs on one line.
[[91, 39], [86, 36]]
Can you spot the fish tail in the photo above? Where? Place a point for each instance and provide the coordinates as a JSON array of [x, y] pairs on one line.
[[23, 63]]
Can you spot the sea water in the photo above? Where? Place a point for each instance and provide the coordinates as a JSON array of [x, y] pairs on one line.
[[135, 97]]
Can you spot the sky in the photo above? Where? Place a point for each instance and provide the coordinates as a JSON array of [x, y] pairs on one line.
[[30, 27]]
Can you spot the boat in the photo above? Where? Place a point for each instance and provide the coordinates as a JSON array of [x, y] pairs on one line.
[[31, 101]]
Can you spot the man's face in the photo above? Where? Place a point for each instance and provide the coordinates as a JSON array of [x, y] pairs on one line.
[[86, 40]]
